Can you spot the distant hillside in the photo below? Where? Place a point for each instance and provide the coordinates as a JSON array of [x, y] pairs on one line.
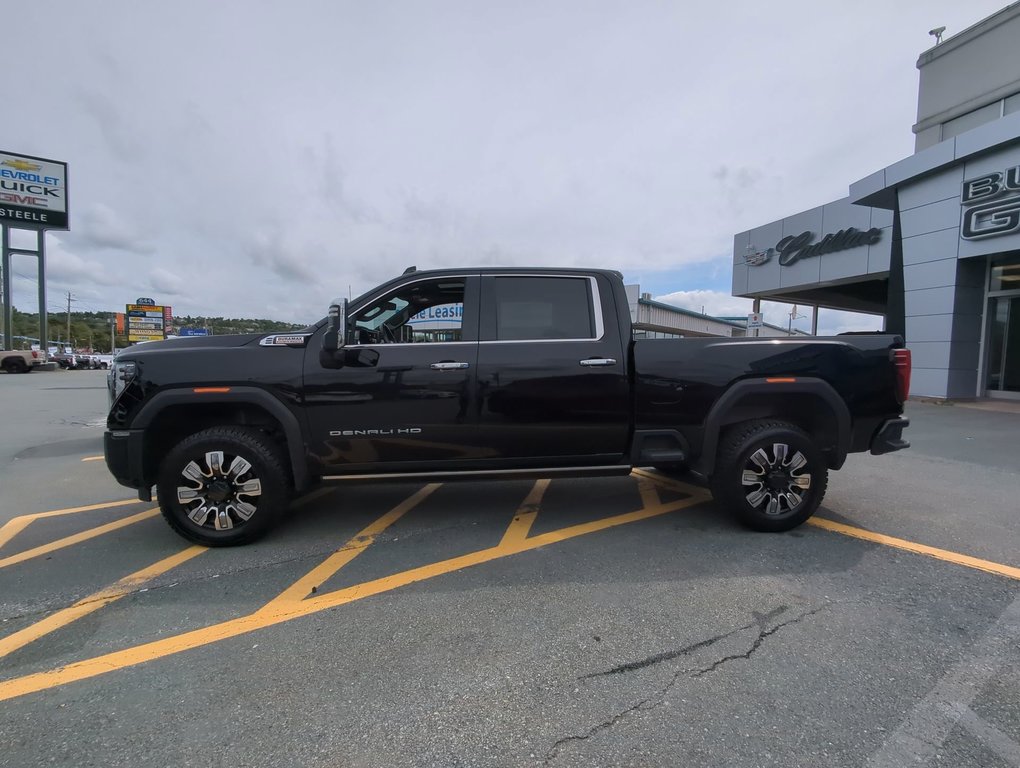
[[223, 325], [92, 329]]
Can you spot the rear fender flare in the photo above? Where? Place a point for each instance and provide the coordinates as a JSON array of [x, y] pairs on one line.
[[820, 388]]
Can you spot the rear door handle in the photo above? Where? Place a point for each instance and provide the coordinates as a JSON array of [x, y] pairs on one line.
[[598, 361], [447, 365]]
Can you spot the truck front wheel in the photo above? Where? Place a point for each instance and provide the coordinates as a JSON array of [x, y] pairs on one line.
[[223, 486], [770, 475]]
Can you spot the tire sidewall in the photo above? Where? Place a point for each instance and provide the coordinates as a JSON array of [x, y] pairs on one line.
[[265, 459], [727, 485]]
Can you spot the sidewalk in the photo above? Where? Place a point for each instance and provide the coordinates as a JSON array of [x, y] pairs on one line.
[[984, 404]]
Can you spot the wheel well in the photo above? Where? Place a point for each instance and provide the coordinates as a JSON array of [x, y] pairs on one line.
[[805, 410], [176, 422]]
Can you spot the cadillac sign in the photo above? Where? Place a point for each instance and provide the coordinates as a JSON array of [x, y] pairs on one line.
[[793, 248]]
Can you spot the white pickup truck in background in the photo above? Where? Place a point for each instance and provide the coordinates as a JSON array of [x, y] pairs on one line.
[[22, 361]]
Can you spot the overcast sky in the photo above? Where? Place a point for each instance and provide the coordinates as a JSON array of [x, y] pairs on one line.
[[255, 159]]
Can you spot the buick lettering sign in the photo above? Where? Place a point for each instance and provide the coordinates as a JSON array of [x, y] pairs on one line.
[[991, 205]]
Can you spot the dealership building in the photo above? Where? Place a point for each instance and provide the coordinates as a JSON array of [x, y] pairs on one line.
[[932, 242]]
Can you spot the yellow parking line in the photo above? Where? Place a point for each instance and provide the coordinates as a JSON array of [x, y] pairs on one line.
[[301, 588], [946, 555], [129, 657], [16, 525], [649, 493], [93, 458], [525, 516], [664, 481], [921, 549], [94, 602], [77, 538]]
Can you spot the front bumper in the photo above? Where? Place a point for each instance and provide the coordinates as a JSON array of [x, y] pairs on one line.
[[123, 449], [889, 436]]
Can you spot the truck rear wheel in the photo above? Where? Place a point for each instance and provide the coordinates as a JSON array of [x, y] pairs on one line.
[[16, 365], [770, 475], [223, 486]]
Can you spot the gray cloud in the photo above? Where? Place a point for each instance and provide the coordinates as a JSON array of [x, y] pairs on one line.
[[103, 228], [298, 159]]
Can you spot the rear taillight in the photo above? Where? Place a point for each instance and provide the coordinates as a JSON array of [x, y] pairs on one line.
[[35, 355], [901, 359]]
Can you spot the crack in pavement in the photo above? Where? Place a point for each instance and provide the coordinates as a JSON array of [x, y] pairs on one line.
[[760, 620], [670, 655]]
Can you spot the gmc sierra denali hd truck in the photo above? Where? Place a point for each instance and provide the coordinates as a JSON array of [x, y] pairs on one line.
[[492, 373]]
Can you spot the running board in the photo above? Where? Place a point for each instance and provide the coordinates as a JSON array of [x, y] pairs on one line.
[[488, 474]]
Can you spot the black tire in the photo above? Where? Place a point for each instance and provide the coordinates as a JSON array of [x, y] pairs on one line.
[[218, 507], [16, 365], [793, 477]]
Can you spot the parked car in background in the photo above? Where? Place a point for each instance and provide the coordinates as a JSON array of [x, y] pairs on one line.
[[22, 361], [67, 360]]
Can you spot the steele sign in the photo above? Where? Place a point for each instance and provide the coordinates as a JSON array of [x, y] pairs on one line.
[[33, 192]]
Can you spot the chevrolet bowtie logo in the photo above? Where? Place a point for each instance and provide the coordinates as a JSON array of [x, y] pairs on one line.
[[22, 165]]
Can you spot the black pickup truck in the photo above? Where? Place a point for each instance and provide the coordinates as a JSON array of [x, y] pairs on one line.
[[492, 373]]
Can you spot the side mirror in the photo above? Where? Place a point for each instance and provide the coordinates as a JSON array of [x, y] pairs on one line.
[[336, 331]]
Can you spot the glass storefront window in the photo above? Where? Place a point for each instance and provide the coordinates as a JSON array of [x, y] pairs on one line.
[[1005, 277], [1004, 345]]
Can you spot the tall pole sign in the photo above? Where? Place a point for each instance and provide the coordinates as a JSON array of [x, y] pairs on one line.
[[33, 196]]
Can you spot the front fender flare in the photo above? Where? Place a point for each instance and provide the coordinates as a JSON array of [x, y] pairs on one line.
[[236, 395]]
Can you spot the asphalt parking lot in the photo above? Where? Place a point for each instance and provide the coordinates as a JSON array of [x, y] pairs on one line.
[[593, 622]]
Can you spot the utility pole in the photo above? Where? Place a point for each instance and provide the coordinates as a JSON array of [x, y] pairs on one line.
[[113, 336], [69, 317], [793, 316]]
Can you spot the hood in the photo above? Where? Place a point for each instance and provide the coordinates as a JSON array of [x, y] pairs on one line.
[[191, 342]]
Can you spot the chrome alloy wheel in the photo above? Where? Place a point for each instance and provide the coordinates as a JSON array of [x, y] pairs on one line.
[[218, 492], [775, 483]]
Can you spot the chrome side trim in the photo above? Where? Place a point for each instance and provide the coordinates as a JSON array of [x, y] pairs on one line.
[[419, 344], [596, 297], [478, 472]]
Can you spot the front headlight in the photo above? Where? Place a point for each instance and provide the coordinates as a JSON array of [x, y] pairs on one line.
[[119, 377]]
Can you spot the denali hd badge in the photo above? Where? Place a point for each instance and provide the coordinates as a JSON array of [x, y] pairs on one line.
[[989, 219], [374, 432]]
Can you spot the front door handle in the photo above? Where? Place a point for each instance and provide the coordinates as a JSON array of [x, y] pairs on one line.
[[598, 361], [447, 365]]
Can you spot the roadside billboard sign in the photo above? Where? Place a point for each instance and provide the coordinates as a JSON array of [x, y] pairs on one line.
[[146, 322], [33, 192]]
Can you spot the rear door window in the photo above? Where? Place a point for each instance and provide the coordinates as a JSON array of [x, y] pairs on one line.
[[543, 308]]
